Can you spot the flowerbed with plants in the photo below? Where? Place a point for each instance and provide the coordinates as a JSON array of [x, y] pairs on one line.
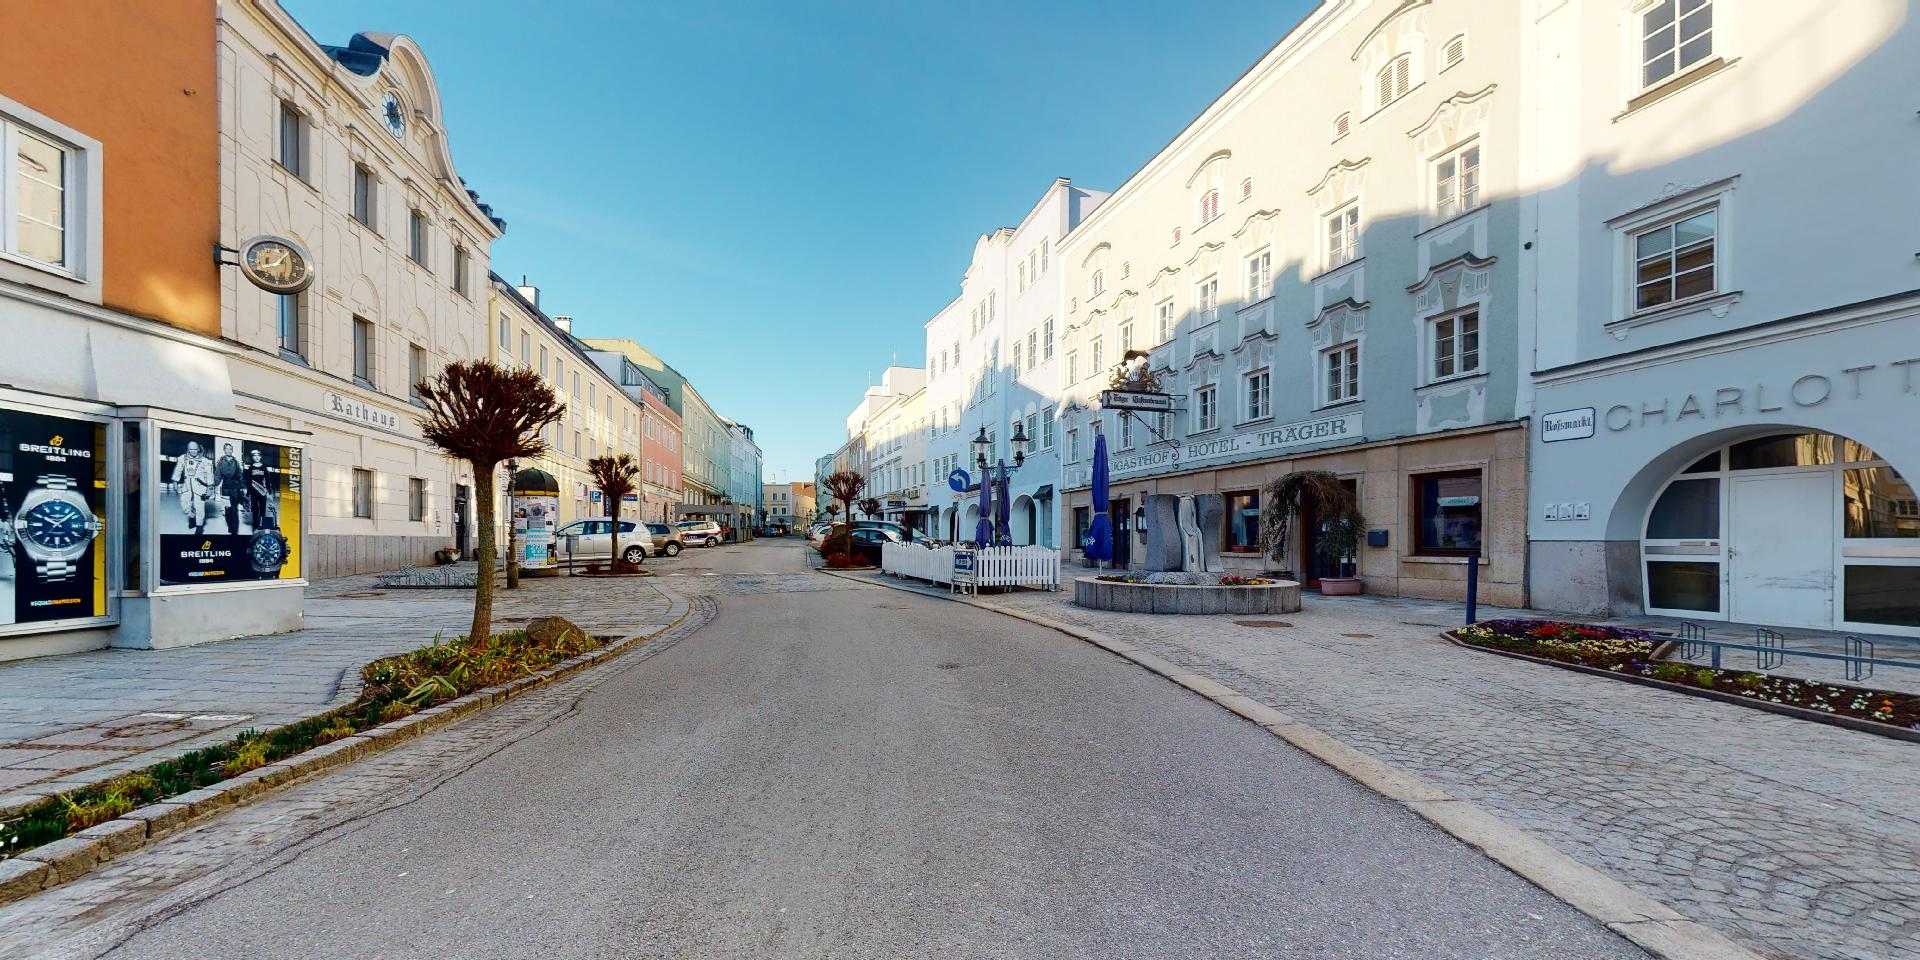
[[1630, 653], [394, 687]]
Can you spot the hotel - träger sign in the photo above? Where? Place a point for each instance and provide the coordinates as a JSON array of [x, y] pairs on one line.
[[1251, 444]]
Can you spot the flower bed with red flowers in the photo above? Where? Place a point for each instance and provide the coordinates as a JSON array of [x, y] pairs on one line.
[[1630, 653]]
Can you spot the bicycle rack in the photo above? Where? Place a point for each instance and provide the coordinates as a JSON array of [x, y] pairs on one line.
[[1769, 649], [1860, 656]]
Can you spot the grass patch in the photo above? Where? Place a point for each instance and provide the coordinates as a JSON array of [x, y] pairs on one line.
[[1630, 653], [394, 687]]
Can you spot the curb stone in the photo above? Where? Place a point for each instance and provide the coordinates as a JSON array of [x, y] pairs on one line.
[[53, 864], [1647, 923]]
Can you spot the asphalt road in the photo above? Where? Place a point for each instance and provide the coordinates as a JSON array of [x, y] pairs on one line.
[[834, 770]]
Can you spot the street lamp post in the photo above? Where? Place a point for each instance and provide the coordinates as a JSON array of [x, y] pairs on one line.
[[983, 448]]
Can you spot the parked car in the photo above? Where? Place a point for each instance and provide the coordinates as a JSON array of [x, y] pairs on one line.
[[592, 539], [700, 533], [665, 539], [900, 531], [817, 534], [864, 543]]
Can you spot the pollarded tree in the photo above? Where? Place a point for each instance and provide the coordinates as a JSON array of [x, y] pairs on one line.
[[485, 414], [870, 506], [615, 477], [845, 487]]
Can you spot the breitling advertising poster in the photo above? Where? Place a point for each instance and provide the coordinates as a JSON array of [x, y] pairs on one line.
[[53, 488], [229, 509]]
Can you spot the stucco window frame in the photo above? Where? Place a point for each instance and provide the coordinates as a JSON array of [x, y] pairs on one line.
[[1719, 196], [81, 276], [1321, 381]]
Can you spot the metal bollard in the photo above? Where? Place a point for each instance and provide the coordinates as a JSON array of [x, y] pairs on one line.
[[1473, 586]]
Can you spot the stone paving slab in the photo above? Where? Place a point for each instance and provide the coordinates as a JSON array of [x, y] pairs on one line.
[[71, 720], [1795, 838]]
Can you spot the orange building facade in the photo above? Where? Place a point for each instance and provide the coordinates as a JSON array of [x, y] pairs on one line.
[[113, 365]]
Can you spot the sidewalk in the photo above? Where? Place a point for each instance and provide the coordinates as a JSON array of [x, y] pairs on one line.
[[73, 720], [1795, 838]]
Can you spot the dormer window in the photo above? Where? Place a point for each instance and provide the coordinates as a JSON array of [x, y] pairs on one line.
[[1393, 78]]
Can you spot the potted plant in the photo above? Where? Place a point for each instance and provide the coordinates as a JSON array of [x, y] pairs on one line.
[[1338, 545], [1341, 523]]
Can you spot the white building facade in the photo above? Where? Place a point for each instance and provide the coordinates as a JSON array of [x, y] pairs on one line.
[[343, 150], [1729, 312], [992, 365]]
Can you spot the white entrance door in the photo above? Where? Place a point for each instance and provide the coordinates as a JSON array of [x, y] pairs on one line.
[[1780, 550]]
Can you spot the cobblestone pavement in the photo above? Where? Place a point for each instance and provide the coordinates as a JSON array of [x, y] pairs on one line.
[[93, 915], [1796, 838], [71, 720]]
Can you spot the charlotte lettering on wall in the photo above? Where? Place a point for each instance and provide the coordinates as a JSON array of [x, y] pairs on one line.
[[53, 489], [229, 509]]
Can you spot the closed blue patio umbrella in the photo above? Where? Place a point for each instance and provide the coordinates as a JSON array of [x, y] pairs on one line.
[[1100, 535], [1002, 513], [983, 528]]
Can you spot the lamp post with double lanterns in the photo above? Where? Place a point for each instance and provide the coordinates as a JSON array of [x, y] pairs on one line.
[[982, 449]]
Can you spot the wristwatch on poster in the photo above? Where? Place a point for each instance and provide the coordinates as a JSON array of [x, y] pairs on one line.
[[55, 527], [267, 552]]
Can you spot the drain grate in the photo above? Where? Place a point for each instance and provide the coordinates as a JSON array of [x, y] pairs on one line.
[[360, 594], [1263, 623], [1358, 636], [949, 666]]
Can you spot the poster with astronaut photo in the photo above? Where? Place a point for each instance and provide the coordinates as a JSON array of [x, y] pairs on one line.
[[53, 490], [229, 509]]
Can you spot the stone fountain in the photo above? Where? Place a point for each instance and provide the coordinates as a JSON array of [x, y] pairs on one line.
[[1183, 533]]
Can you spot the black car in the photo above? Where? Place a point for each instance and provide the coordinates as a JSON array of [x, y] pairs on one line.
[[864, 543]]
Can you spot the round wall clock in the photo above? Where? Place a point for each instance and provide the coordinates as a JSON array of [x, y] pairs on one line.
[[394, 115], [276, 264]]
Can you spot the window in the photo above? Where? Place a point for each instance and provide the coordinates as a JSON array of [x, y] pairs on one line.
[[1073, 446], [1341, 366], [1165, 311], [1023, 276], [1205, 415], [37, 196], [1342, 124], [1209, 205], [1259, 276], [1243, 522], [1453, 53], [1033, 352], [1046, 337], [1033, 264], [1246, 189], [1099, 283], [1073, 367], [417, 237], [1447, 513], [1046, 428], [1456, 344], [293, 140], [526, 349], [1126, 431], [363, 186], [1016, 355], [1392, 79], [416, 371], [1259, 393], [459, 269], [505, 343], [1099, 358], [1343, 237], [543, 361], [1126, 339], [363, 493], [1674, 35], [1675, 260], [416, 499], [1456, 182], [1206, 295], [363, 351], [290, 324], [1043, 255], [1176, 236]]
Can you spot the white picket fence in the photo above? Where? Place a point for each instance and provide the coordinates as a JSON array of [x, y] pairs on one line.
[[993, 567]]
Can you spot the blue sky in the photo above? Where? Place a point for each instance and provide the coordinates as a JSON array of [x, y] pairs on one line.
[[775, 196]]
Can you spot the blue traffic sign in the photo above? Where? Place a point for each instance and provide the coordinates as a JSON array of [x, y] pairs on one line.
[[959, 481]]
